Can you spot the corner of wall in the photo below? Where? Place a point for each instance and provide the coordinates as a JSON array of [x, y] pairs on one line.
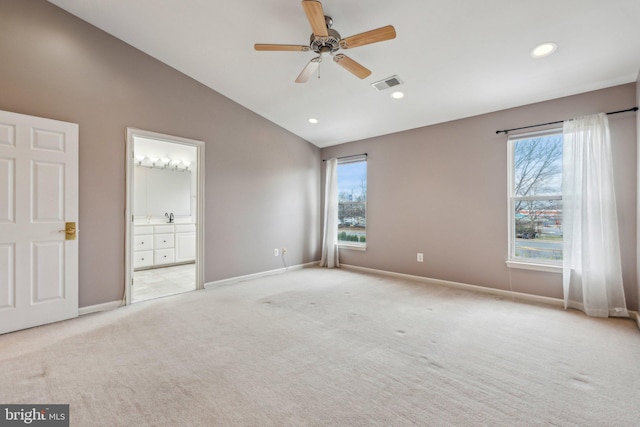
[[638, 190]]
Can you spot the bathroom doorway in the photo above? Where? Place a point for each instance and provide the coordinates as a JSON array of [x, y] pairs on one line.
[[164, 233]]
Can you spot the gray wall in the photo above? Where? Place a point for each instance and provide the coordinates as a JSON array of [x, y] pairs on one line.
[[441, 190], [262, 183]]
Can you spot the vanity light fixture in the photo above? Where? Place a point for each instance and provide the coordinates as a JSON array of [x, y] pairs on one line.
[[180, 165], [146, 161], [162, 163]]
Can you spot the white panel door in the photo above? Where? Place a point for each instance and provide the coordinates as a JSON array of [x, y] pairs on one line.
[[38, 195]]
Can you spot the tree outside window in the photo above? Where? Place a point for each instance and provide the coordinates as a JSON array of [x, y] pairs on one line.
[[352, 202], [536, 197]]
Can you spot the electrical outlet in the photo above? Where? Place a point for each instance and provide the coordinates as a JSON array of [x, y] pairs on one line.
[[284, 251], [420, 257], [275, 252]]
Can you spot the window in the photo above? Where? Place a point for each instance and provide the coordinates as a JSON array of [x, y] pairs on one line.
[[535, 199], [352, 201]]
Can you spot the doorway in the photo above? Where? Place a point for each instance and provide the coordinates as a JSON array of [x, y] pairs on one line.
[[165, 221]]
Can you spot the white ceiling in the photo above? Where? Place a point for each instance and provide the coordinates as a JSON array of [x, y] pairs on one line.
[[457, 58]]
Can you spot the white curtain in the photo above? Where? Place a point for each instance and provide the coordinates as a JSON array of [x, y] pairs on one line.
[[329, 257], [592, 273]]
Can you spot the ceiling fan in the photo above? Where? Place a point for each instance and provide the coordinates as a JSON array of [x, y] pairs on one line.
[[326, 41]]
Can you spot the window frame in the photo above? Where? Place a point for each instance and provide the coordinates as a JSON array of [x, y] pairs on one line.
[[520, 262], [356, 159]]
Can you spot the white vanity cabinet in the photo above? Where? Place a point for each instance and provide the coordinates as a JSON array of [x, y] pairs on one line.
[[185, 242], [159, 245], [163, 244], [142, 246]]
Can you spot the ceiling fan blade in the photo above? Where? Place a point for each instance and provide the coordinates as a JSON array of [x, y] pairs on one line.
[[311, 67], [373, 36], [315, 15], [352, 66], [281, 47]]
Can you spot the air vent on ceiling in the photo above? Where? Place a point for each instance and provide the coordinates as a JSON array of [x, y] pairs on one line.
[[387, 83]]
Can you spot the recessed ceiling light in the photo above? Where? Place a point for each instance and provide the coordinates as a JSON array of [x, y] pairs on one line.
[[397, 94], [545, 49], [312, 120]]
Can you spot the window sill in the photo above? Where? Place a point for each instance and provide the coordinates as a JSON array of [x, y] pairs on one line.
[[533, 266], [352, 247]]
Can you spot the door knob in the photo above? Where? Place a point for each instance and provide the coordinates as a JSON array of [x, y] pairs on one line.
[[69, 231]]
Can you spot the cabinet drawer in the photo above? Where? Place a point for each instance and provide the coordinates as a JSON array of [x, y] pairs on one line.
[[163, 256], [162, 241], [159, 229], [142, 259], [143, 243], [185, 228], [142, 230]]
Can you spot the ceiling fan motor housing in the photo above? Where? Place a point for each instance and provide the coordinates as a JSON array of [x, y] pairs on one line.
[[325, 44]]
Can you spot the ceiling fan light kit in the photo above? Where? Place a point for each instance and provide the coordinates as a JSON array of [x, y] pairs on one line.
[[325, 41]]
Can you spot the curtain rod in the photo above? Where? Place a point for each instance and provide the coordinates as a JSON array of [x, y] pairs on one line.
[[346, 157], [506, 131]]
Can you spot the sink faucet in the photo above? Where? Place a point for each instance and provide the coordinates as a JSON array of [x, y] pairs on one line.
[[169, 216]]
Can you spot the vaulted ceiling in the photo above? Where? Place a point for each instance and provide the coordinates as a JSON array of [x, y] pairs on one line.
[[456, 58]]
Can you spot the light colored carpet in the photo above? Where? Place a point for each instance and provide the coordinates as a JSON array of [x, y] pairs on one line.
[[330, 348]]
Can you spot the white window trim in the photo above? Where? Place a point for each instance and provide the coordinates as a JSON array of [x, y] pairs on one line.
[[526, 265], [513, 261], [353, 246], [354, 159]]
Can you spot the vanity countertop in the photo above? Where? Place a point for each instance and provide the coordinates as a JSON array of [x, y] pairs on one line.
[[160, 222]]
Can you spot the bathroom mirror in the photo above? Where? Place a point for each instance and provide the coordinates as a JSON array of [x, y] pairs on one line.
[[158, 191]]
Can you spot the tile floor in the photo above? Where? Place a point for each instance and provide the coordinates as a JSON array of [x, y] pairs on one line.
[[160, 282]]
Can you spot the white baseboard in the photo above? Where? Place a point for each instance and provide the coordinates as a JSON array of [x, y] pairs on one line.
[[117, 304], [475, 288], [99, 307], [457, 285], [635, 316], [237, 279]]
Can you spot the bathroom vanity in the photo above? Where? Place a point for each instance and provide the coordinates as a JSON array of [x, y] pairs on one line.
[[160, 245]]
